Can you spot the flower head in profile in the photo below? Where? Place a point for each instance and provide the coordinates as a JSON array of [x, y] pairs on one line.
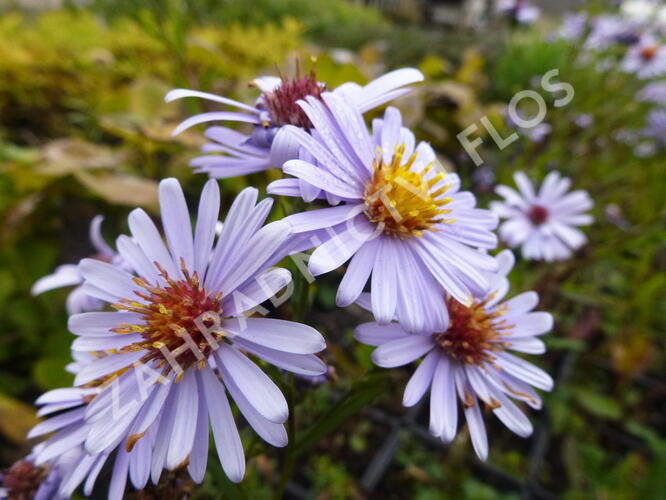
[[646, 59], [543, 223], [403, 222], [179, 339], [469, 362], [69, 275], [231, 153]]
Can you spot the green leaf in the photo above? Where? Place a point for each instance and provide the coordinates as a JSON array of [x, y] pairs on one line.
[[598, 404], [361, 393]]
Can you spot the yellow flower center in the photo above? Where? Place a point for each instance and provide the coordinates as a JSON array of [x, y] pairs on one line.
[[405, 203]]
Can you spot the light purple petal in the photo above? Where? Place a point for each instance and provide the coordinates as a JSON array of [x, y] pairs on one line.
[[214, 116], [176, 222], [99, 324], [443, 404], [187, 404], [227, 441], [270, 432], [278, 334], [260, 390], [65, 275], [376, 334], [402, 351], [181, 93], [109, 278], [420, 381]]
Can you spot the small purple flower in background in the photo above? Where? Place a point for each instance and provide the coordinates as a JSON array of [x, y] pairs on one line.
[[470, 362], [607, 30], [543, 223], [535, 134], [573, 26], [656, 125], [584, 120], [521, 11], [483, 178], [654, 92], [538, 133], [647, 59], [404, 224], [174, 345], [239, 154], [69, 275]]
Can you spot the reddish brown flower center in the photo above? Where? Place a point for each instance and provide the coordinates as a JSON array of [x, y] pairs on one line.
[[282, 102], [648, 53], [23, 479], [537, 214], [473, 333], [172, 318]]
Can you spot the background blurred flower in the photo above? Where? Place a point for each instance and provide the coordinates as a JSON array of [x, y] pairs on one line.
[[647, 59], [521, 11], [543, 223], [654, 92]]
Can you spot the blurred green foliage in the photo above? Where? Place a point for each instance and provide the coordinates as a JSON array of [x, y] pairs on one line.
[[84, 130]]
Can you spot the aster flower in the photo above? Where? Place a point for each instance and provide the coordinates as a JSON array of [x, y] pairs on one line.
[[656, 125], [25, 480], [403, 220], [63, 458], [60, 463], [178, 340], [647, 59], [607, 30], [69, 275], [654, 92], [573, 26], [471, 359], [235, 153], [521, 11], [543, 223]]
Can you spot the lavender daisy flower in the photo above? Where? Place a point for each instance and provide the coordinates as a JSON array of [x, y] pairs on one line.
[[179, 339], [69, 275], [403, 221], [647, 59], [543, 223], [654, 92], [656, 125], [471, 359], [62, 461], [66, 462], [521, 11], [607, 30], [235, 153], [573, 26]]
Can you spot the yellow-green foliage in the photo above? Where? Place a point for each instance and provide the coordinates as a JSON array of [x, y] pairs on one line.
[[74, 62]]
